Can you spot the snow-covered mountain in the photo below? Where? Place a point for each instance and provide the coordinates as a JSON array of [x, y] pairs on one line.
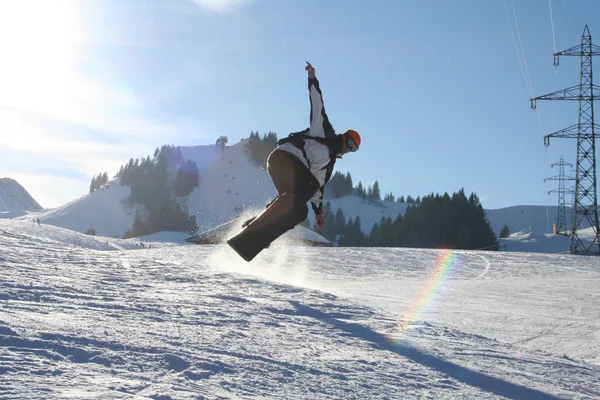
[[85, 317], [14, 199], [229, 182]]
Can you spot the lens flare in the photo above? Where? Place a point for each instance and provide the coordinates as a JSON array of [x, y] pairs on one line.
[[445, 266]]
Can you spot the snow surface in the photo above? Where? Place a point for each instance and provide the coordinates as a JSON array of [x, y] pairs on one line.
[[82, 319]]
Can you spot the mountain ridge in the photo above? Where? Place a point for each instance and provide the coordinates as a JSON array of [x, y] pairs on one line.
[[14, 199]]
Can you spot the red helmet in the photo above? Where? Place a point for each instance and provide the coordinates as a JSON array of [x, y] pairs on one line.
[[352, 139]]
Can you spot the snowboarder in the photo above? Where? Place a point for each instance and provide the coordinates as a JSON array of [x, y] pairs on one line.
[[304, 166], [299, 167]]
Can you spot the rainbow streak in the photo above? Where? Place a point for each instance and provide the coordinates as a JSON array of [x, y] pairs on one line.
[[445, 265]]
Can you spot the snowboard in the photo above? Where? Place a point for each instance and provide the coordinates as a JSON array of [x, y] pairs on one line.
[[283, 214], [215, 235]]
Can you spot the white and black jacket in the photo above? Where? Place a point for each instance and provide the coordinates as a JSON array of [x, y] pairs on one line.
[[317, 156]]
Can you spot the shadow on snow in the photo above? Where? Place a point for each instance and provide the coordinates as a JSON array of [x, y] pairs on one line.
[[468, 376]]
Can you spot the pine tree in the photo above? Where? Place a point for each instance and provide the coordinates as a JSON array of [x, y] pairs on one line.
[[328, 230], [505, 232], [360, 190], [374, 238], [258, 149], [348, 186], [352, 236], [339, 222], [335, 186], [358, 235], [376, 192], [346, 237], [270, 140], [186, 179]]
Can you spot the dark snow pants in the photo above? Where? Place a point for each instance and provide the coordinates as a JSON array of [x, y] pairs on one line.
[[295, 185], [290, 175]]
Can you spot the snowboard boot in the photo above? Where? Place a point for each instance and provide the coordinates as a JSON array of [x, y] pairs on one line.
[[285, 213]]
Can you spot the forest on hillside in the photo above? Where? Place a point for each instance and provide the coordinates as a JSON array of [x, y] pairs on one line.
[[157, 185]]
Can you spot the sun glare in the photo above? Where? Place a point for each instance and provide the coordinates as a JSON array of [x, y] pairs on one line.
[[38, 41]]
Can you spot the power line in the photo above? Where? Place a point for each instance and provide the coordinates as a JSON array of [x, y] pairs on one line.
[[521, 55], [512, 33], [552, 25], [521, 45]]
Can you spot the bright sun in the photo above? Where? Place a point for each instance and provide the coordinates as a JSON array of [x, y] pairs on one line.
[[38, 41]]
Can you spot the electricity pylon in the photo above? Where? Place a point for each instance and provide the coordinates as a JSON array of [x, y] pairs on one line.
[[561, 218], [585, 206]]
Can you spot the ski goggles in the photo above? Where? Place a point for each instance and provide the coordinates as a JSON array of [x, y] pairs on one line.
[[352, 146]]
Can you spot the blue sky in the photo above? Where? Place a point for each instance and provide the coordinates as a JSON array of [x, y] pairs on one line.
[[439, 90]]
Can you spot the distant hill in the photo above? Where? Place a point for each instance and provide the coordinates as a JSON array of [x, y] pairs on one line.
[[14, 199], [538, 219]]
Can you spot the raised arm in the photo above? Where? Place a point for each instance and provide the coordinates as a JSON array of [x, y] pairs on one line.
[[318, 118]]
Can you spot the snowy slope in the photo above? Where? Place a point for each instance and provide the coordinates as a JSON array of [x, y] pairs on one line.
[[528, 240], [14, 199], [66, 238], [227, 180], [190, 322], [105, 210], [538, 219]]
